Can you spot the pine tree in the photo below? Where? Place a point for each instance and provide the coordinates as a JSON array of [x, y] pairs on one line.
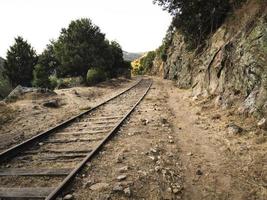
[[20, 61], [79, 47]]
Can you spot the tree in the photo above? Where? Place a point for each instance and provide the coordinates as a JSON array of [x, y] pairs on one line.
[[46, 66], [79, 46], [82, 46], [20, 61], [196, 19], [117, 54], [117, 58]]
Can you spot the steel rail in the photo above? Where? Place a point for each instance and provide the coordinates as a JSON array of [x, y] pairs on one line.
[[11, 152], [65, 182]]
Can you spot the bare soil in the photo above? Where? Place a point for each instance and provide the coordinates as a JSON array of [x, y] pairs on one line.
[[176, 148], [27, 116], [170, 148]]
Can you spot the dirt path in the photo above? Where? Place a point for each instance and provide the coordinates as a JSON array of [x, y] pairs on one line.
[[174, 148], [216, 165]]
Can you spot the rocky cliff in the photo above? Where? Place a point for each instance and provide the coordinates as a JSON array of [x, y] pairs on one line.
[[231, 67]]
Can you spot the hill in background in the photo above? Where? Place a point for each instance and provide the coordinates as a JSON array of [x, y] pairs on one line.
[[131, 56]]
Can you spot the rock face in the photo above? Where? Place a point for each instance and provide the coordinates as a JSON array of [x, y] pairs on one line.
[[232, 64]]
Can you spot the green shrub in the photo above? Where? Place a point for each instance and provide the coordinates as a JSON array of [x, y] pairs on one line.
[[54, 81], [95, 75], [41, 77], [60, 83]]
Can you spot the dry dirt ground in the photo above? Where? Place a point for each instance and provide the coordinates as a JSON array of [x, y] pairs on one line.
[[175, 148], [171, 148], [27, 116]]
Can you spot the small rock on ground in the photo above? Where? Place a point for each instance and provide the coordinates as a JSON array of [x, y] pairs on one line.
[[262, 124], [144, 121], [216, 117], [117, 188], [127, 191], [51, 103], [68, 197], [121, 177], [163, 120], [199, 172], [234, 129], [123, 169], [99, 186]]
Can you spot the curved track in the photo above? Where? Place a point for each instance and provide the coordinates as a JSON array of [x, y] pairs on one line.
[[41, 167]]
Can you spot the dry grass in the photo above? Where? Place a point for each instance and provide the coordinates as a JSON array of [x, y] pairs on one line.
[[6, 113]]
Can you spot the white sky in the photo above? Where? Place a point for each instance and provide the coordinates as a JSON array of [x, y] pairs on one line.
[[137, 25]]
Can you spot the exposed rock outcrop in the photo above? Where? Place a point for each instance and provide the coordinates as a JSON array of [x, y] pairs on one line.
[[232, 64]]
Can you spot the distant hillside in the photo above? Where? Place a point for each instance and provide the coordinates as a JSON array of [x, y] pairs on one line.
[[131, 56], [5, 87]]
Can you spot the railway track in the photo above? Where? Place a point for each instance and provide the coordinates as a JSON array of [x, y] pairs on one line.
[[42, 167]]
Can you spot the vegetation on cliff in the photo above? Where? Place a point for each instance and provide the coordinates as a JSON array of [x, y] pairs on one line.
[[196, 19], [229, 64]]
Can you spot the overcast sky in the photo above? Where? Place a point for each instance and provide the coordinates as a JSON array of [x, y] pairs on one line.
[[137, 25]]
